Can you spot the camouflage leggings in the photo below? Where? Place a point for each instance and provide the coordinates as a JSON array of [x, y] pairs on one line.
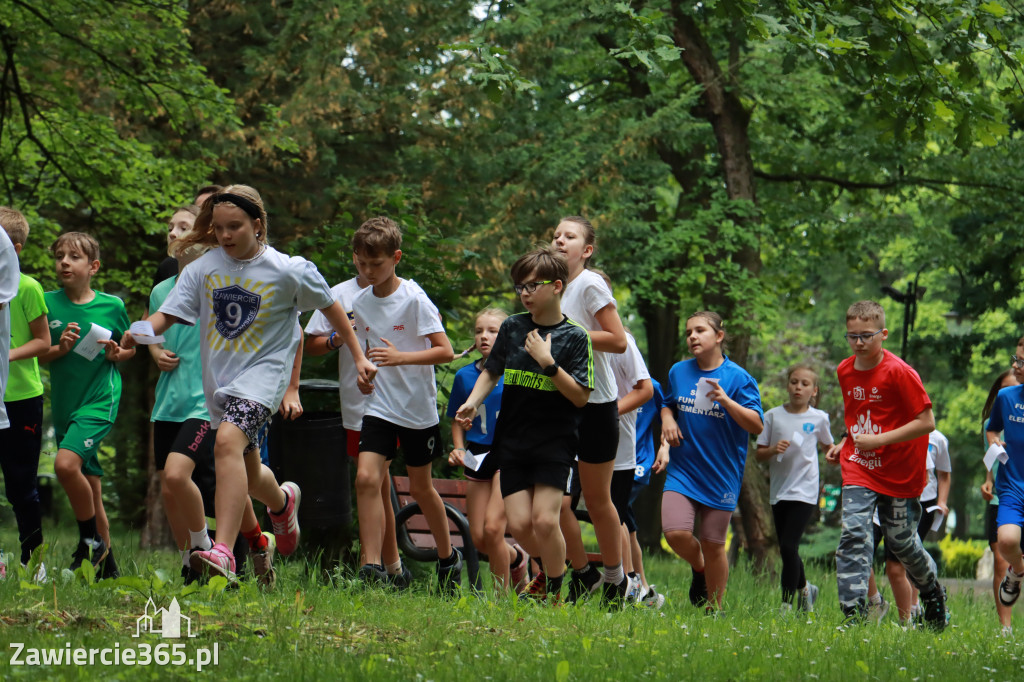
[[899, 518]]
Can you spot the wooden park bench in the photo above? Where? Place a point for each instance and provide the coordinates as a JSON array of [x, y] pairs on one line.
[[415, 539]]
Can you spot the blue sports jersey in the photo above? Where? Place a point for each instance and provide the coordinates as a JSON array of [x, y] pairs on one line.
[[707, 465], [482, 431], [1008, 417], [645, 449]]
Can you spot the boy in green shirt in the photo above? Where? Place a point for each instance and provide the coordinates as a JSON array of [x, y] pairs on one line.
[[23, 398], [85, 329]]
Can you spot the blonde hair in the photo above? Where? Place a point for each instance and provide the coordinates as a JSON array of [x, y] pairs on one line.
[[492, 312], [14, 223], [202, 232], [813, 402], [869, 311]]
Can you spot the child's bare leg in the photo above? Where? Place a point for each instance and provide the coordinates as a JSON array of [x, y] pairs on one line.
[[370, 474], [478, 496], [716, 571], [262, 484], [638, 559], [182, 499], [547, 531], [389, 538], [627, 555], [1008, 537], [998, 571], [596, 482], [900, 587], [102, 523], [231, 481], [421, 487], [500, 553], [68, 468], [572, 535]]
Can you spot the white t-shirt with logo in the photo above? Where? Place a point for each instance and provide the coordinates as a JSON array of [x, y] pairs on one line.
[[795, 477], [938, 460], [405, 395], [353, 402], [581, 301], [248, 316], [628, 369], [10, 275]]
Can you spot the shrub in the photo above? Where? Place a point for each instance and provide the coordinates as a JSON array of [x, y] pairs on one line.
[[961, 557]]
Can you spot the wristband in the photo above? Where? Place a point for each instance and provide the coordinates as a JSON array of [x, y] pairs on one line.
[[330, 341]]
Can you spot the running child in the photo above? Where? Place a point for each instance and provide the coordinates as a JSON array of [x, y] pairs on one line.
[[485, 507], [714, 407], [23, 398], [646, 454], [404, 336], [589, 301], [183, 439], [320, 340], [246, 296], [85, 327], [888, 418], [546, 361], [792, 436]]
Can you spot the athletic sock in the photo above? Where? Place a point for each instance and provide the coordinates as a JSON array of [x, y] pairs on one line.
[[87, 529], [281, 510], [519, 557], [589, 570], [553, 585], [200, 539], [450, 561], [257, 543], [613, 574], [395, 568], [876, 598]]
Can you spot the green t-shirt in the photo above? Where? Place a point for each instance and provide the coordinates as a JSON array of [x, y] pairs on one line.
[[23, 382], [179, 393], [79, 386]]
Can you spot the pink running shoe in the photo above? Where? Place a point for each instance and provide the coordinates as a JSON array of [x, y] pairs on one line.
[[218, 560], [286, 524]]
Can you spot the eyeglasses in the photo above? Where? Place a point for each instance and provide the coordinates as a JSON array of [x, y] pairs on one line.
[[530, 287], [854, 338], [1016, 362]]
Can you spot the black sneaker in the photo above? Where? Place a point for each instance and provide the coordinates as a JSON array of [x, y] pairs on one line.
[[189, 576], [372, 574], [614, 596], [698, 589], [449, 578], [95, 551], [582, 584], [934, 604], [401, 580], [108, 569]]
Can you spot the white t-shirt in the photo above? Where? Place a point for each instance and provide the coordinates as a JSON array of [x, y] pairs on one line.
[[10, 275], [353, 402], [938, 460], [249, 320], [581, 301], [628, 369], [796, 476], [405, 395]]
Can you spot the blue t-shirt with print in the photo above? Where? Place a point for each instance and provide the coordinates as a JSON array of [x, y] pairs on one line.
[[482, 430], [645, 449], [707, 465], [1008, 416]]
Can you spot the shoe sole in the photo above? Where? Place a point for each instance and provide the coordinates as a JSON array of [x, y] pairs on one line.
[[208, 568]]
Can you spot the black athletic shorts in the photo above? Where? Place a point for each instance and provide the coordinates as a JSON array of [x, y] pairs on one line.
[[622, 487], [599, 432], [523, 470], [192, 438], [420, 446], [488, 469]]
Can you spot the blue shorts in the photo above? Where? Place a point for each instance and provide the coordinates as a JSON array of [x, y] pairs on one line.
[[1011, 510]]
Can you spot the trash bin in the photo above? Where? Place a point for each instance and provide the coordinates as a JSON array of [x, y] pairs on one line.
[[311, 452]]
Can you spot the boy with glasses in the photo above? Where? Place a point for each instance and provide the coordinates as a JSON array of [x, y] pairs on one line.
[[888, 418]]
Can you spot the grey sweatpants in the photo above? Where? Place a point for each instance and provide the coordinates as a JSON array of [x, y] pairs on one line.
[[899, 518]]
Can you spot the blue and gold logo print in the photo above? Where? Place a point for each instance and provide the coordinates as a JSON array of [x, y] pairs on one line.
[[238, 306]]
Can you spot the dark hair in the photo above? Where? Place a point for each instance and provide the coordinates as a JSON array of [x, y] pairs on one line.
[[208, 189], [986, 411], [545, 261], [379, 236], [85, 243], [589, 234], [715, 320]]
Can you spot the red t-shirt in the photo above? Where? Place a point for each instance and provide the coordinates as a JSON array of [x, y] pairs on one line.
[[879, 400]]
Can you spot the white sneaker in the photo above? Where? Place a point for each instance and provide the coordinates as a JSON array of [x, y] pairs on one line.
[[40, 577], [876, 612], [634, 586], [653, 599], [1009, 589], [1007, 631]]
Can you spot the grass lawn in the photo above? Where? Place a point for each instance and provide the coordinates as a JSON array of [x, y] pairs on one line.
[[308, 630]]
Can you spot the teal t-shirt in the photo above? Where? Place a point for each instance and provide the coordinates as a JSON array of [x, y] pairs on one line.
[[80, 386], [24, 382], [179, 393]]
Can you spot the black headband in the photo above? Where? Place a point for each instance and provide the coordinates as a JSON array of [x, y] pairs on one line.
[[241, 202]]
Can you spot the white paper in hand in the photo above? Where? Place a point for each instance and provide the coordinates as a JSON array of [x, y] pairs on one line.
[[142, 332], [701, 401], [994, 452], [474, 462], [796, 441], [937, 519], [89, 346]]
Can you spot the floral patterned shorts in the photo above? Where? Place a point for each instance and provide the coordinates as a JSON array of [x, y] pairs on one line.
[[248, 416]]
